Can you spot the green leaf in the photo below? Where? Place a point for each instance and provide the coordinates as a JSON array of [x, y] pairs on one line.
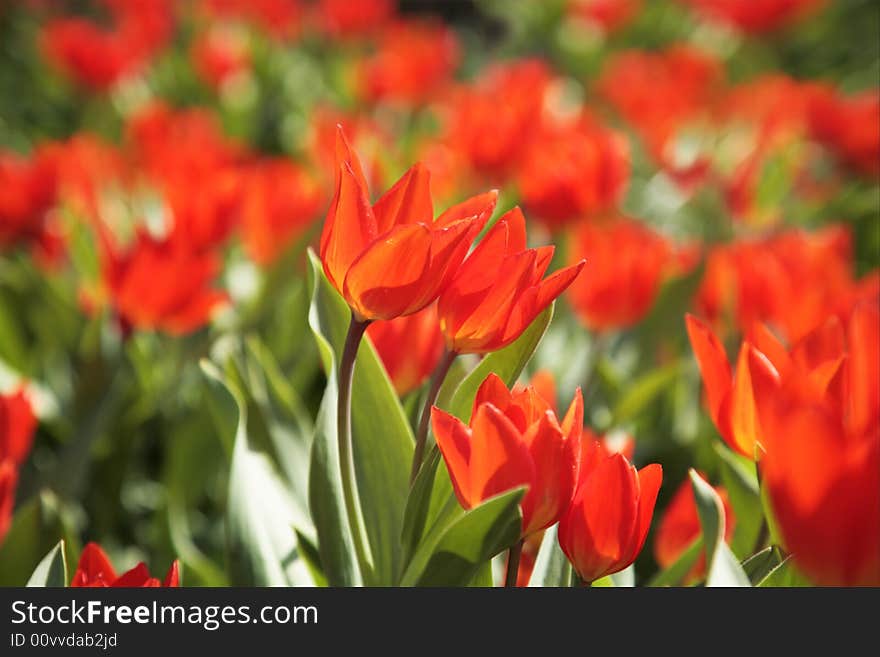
[[785, 574], [722, 567], [506, 363], [457, 553], [260, 510], [675, 574], [36, 527], [760, 565], [642, 392], [738, 477], [382, 444], [418, 504], [551, 565], [52, 570]]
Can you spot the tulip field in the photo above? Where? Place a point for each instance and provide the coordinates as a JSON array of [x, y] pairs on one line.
[[557, 293]]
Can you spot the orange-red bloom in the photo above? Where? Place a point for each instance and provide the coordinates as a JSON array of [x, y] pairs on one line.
[[97, 57], [821, 431], [492, 121], [729, 398], [628, 262], [220, 54], [27, 193], [604, 529], [513, 440], [572, 171], [280, 19], [849, 127], [610, 15], [8, 484], [792, 280], [161, 284], [280, 201], [755, 17], [414, 60], [659, 93], [182, 151], [680, 527], [344, 18], [17, 426], [95, 570], [393, 258], [409, 347], [498, 291]]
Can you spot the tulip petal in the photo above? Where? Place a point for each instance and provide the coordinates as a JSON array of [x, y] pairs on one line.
[[139, 576], [864, 368], [555, 474], [573, 422], [763, 339], [382, 282], [349, 227], [454, 440], [597, 532], [500, 460], [650, 478], [744, 428], [492, 391], [712, 360], [476, 319], [449, 246], [478, 207], [172, 578], [408, 201], [825, 344], [93, 567]]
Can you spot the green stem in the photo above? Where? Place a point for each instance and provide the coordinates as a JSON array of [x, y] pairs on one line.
[[343, 434], [513, 564], [764, 530], [425, 421]]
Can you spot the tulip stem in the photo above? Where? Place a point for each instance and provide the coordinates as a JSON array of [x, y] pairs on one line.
[[513, 564], [425, 420], [764, 530], [343, 434]]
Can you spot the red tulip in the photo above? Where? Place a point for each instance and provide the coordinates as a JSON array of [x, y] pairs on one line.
[[849, 126], [17, 426], [822, 466], [730, 398], [343, 18], [680, 527], [491, 122], [95, 570], [792, 280], [161, 285], [8, 484], [280, 19], [604, 529], [409, 347], [393, 258], [27, 194], [610, 15], [414, 60], [755, 17], [97, 56], [659, 93], [218, 55], [498, 291], [280, 201], [513, 440], [628, 262], [572, 171]]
